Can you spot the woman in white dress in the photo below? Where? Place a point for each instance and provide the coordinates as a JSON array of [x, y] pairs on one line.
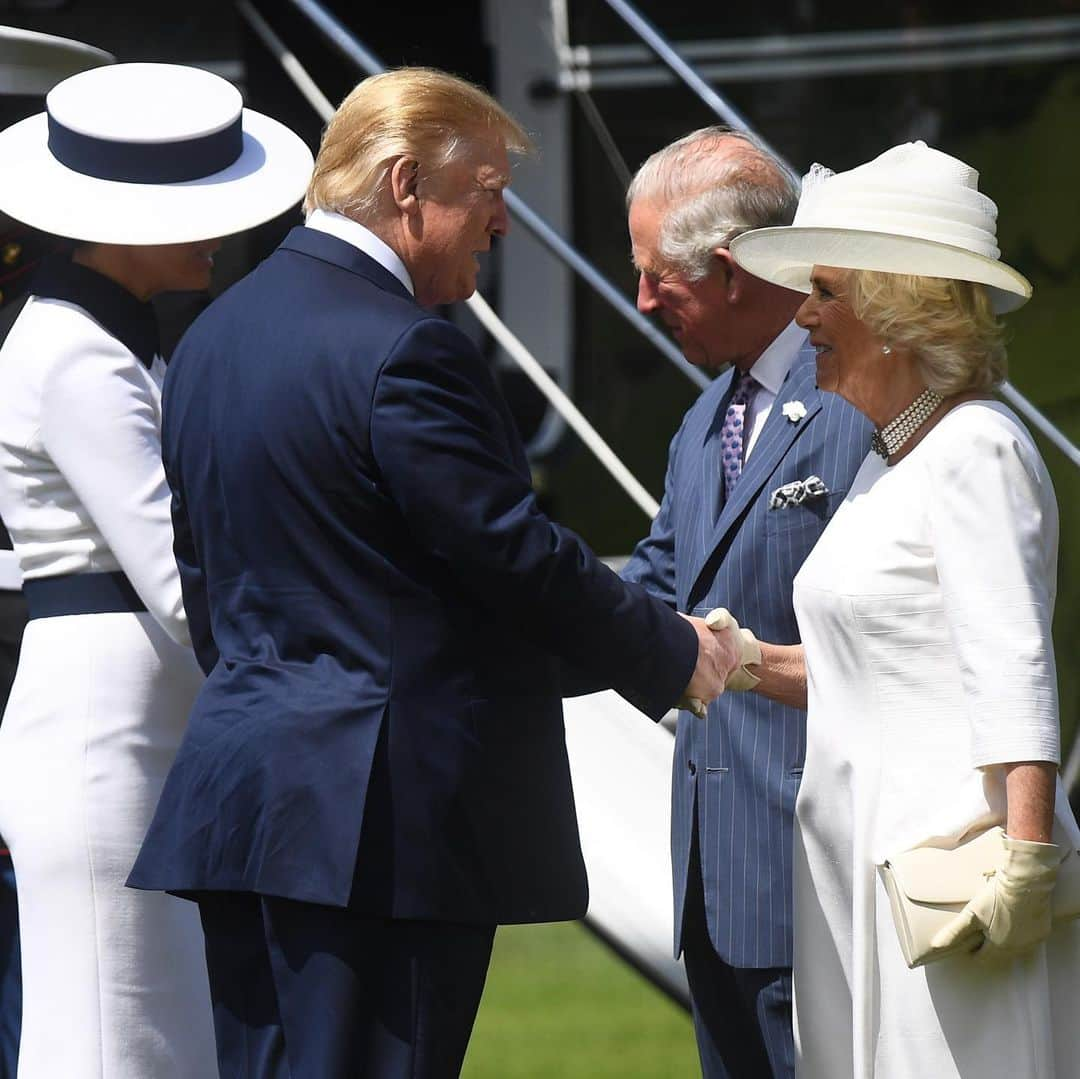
[[143, 166], [925, 613]]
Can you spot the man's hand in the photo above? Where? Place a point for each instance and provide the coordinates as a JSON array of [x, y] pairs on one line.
[[719, 653]]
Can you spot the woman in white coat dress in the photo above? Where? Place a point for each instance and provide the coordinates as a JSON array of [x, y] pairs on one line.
[[143, 167], [925, 613]]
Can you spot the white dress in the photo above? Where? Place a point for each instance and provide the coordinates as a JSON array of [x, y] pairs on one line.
[[114, 980], [925, 612]]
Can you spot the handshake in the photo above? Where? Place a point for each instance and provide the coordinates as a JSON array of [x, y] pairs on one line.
[[724, 653]]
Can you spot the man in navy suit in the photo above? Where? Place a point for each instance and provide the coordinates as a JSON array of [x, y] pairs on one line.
[[725, 538], [375, 772]]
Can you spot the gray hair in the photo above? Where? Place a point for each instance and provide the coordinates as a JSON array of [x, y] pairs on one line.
[[710, 196]]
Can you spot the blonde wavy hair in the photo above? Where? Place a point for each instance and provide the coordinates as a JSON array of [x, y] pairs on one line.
[[413, 111], [948, 325]]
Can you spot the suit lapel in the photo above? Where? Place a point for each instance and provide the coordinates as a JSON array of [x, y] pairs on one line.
[[775, 440]]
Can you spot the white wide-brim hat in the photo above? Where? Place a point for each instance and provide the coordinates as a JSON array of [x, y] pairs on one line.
[[149, 154], [33, 63], [913, 210]]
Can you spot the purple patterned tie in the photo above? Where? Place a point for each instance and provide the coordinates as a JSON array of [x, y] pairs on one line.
[[731, 433]]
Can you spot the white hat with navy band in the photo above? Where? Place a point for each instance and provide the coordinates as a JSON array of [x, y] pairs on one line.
[[912, 210], [149, 154]]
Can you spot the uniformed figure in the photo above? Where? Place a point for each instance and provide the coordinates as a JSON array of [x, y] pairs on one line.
[[106, 676]]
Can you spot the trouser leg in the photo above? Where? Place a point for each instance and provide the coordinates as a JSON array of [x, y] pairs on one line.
[[247, 1022], [742, 1016], [306, 990], [10, 970]]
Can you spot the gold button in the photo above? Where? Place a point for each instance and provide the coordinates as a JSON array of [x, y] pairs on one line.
[[9, 253]]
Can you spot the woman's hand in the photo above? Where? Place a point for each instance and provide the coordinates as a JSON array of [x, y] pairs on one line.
[[776, 671], [740, 679], [1012, 912], [718, 655]]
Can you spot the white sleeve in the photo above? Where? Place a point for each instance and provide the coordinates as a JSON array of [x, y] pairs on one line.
[[994, 527], [100, 426], [10, 577]]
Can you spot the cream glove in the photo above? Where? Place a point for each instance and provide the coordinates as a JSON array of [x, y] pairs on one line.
[[740, 678], [720, 618], [1012, 911]]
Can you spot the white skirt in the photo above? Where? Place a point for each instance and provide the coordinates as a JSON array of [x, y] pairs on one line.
[[114, 980]]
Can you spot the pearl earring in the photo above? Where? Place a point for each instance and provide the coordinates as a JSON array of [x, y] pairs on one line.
[[886, 351]]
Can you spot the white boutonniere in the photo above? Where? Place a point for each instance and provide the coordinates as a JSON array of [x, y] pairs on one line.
[[794, 411]]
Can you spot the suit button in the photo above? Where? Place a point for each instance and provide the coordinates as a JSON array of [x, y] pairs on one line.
[[9, 253], [691, 767]]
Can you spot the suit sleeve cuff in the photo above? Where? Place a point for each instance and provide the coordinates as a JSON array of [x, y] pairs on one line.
[[673, 667]]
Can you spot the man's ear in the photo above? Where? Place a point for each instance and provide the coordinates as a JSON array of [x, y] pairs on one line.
[[404, 176], [729, 272]]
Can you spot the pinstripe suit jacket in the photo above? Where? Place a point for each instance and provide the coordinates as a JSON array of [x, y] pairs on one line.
[[739, 770]]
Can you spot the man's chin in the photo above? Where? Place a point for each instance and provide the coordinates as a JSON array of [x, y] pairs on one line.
[[697, 358], [467, 288], [444, 299]]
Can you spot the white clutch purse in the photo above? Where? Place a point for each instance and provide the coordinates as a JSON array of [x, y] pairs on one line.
[[928, 886]]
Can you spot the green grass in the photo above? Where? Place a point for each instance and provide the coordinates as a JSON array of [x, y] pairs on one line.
[[559, 1005]]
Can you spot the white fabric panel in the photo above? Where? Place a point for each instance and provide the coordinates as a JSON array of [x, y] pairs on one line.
[[621, 767], [10, 577]]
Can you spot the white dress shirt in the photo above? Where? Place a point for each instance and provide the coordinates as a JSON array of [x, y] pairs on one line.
[[769, 371], [352, 232]]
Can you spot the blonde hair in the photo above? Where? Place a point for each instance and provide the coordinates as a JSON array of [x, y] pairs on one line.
[[413, 111], [949, 325]]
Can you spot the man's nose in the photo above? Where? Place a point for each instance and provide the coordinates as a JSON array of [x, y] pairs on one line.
[[647, 300], [806, 316]]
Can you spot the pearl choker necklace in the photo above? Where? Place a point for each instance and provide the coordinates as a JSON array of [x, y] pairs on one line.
[[894, 434]]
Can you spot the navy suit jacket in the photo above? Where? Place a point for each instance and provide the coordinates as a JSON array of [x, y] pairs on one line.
[[739, 770], [383, 612]]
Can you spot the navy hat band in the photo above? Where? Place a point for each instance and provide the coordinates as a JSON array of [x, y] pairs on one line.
[[146, 162]]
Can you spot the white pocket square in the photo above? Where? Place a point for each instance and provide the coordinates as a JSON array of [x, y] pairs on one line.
[[797, 492]]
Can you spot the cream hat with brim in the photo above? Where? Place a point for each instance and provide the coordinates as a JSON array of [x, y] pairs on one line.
[[149, 154], [913, 210], [33, 63]]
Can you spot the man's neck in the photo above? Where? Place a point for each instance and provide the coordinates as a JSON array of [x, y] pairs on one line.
[[765, 332], [366, 239]]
